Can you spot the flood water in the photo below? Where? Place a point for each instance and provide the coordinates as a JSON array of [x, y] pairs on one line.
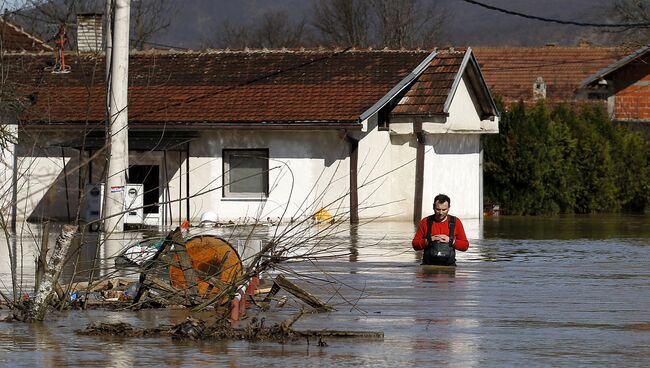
[[535, 292]]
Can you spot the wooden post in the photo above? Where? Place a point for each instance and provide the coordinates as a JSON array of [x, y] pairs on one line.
[[185, 263], [301, 294], [354, 185], [419, 170], [51, 275]]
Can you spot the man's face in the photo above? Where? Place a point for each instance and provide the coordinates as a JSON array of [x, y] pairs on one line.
[[440, 210]]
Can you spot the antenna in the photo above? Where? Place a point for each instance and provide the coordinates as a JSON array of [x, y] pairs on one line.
[[59, 64]]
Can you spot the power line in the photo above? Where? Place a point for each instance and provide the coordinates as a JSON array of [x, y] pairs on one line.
[[565, 22]]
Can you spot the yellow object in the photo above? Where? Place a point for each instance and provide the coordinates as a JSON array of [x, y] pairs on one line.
[[322, 215], [212, 256]]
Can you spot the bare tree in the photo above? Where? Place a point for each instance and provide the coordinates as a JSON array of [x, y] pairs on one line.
[[629, 11], [229, 35], [381, 23], [277, 30], [409, 23], [272, 29], [343, 22], [148, 17]]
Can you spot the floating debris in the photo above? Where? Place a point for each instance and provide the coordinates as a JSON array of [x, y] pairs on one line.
[[221, 329]]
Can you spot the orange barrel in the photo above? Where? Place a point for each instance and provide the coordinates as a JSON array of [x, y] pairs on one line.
[[212, 256]]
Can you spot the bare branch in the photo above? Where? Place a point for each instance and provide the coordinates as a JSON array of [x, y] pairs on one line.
[[343, 22]]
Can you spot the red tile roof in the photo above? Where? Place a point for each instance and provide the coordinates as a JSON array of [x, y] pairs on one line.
[[221, 87], [510, 72], [431, 89], [13, 38]]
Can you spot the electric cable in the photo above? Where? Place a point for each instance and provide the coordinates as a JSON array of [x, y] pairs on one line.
[[565, 22]]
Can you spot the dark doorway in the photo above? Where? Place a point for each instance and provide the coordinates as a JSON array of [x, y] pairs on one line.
[[148, 175]]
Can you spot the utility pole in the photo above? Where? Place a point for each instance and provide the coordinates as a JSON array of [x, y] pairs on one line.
[[109, 49], [118, 129]]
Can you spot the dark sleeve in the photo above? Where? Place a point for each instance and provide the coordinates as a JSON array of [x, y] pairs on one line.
[[420, 239], [460, 239]]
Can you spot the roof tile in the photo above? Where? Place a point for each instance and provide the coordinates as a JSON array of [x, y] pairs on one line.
[[219, 87], [510, 72]]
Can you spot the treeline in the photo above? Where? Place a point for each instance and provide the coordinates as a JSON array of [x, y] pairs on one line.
[[565, 160]]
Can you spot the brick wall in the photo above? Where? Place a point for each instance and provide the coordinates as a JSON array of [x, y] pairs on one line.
[[632, 91]]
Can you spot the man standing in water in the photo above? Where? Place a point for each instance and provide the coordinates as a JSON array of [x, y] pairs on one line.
[[440, 234]]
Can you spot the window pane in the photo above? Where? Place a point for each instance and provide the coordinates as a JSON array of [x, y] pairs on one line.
[[247, 174]]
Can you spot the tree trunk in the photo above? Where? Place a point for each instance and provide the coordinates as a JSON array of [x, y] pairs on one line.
[[46, 288]]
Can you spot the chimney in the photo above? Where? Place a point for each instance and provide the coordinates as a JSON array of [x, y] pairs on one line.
[[89, 32], [539, 89]]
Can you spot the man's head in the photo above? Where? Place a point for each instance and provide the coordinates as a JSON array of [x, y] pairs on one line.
[[441, 207]]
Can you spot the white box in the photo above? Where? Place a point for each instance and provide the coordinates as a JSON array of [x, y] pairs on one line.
[[133, 202]]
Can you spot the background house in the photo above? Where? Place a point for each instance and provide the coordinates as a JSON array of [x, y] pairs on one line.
[[14, 38], [261, 134], [625, 85], [551, 73]]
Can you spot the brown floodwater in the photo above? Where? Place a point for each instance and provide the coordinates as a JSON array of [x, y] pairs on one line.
[[533, 291]]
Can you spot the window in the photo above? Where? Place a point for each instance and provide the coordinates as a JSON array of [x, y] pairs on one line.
[[597, 95], [148, 175], [246, 173]]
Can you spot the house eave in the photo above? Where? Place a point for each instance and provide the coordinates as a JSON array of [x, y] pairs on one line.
[[604, 72], [488, 106], [205, 125], [418, 114]]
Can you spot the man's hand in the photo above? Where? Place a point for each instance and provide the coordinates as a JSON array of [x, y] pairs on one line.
[[441, 238]]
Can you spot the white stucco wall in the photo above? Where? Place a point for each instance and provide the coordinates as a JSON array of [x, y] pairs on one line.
[[463, 115], [386, 175], [42, 183], [6, 173], [307, 170], [452, 167], [452, 163]]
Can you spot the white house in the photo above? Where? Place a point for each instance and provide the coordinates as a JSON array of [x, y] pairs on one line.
[[259, 134]]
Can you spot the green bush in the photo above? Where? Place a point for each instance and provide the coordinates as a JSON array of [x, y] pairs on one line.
[[564, 160]]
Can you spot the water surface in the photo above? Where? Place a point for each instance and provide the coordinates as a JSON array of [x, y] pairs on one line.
[[539, 292]]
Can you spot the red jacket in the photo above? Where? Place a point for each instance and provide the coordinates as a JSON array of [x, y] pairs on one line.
[[460, 239]]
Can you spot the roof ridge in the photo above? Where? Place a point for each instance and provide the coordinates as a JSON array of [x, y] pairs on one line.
[[26, 34], [548, 48]]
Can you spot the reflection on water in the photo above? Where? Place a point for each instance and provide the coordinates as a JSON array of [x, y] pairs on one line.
[[568, 227], [552, 291]]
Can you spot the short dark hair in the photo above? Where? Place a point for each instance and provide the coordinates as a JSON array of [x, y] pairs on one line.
[[442, 198]]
